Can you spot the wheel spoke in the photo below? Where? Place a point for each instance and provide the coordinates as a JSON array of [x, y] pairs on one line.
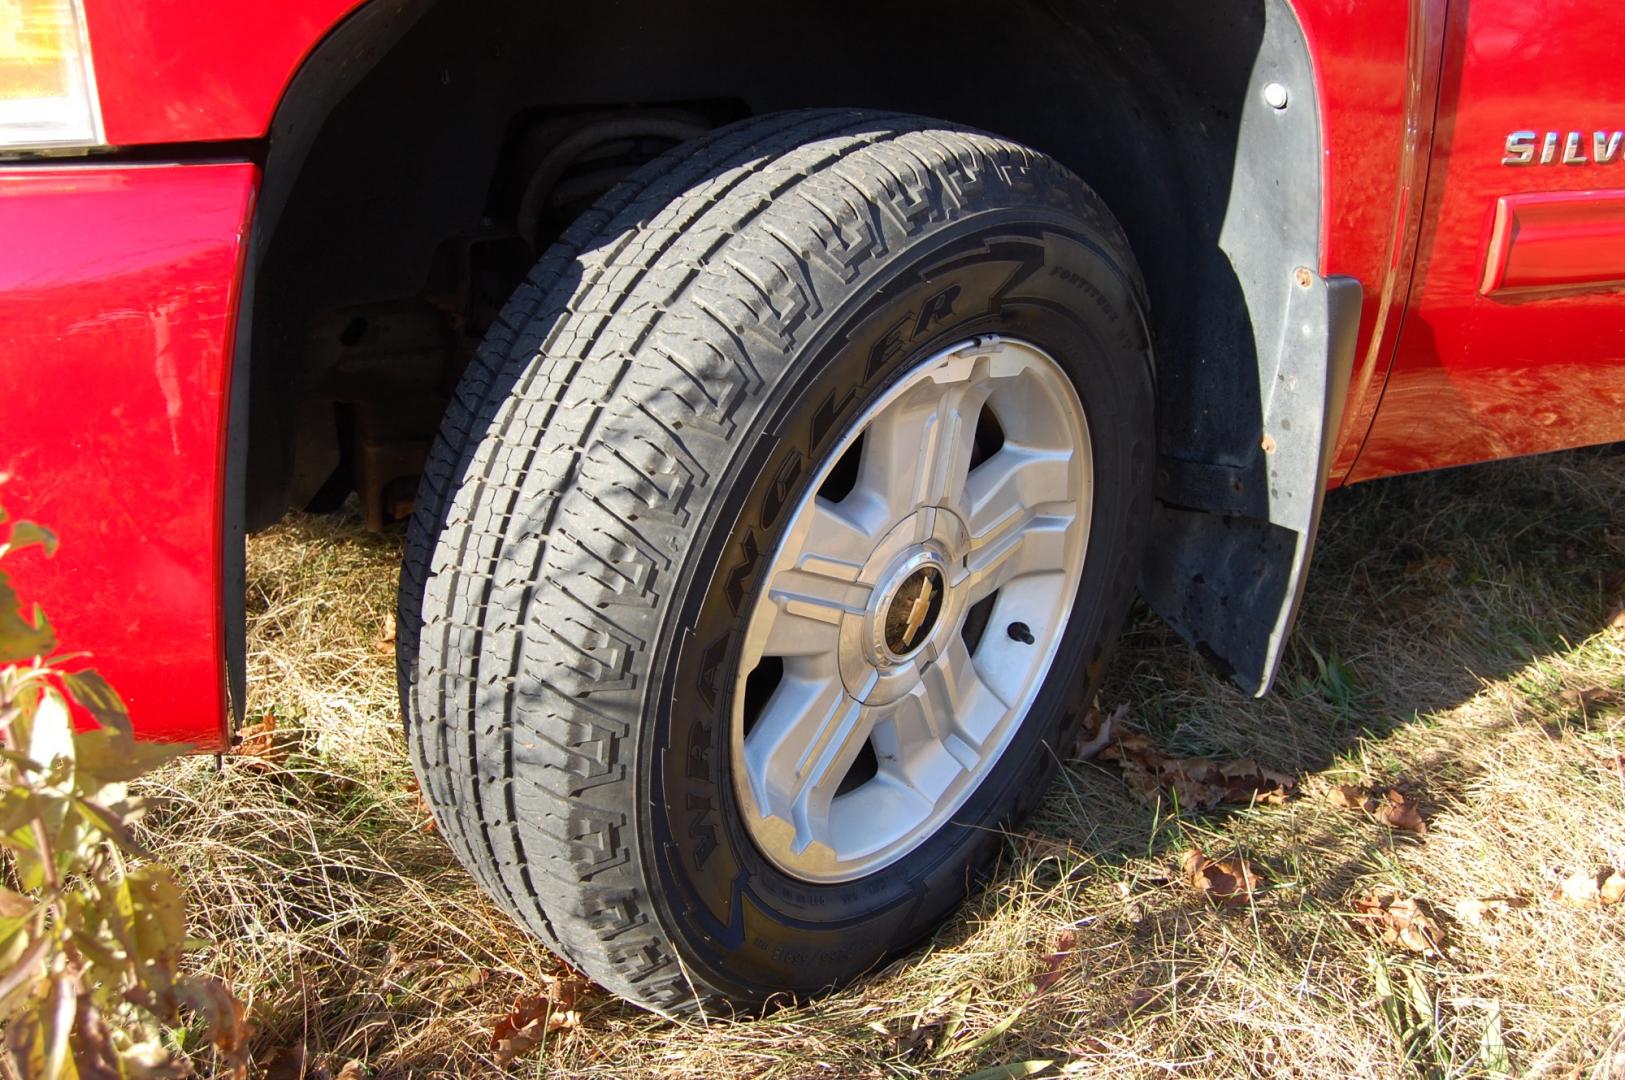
[[833, 538], [962, 706], [917, 452], [809, 594], [1018, 507], [806, 740]]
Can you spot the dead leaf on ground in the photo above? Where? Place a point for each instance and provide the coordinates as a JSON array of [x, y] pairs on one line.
[[1616, 620], [1097, 732], [1400, 920], [1587, 888], [1594, 697], [1482, 910], [535, 1016], [295, 1062], [1614, 765], [1196, 783], [385, 642], [1223, 881], [1351, 797], [1392, 808], [257, 747], [292, 1062], [1055, 963], [1398, 811]]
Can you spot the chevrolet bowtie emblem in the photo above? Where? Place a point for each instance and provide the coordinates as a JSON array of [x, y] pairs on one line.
[[917, 612]]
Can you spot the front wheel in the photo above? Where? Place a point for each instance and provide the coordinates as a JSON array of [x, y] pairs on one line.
[[775, 540]]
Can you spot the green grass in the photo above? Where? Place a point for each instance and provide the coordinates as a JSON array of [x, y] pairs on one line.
[[1448, 618]]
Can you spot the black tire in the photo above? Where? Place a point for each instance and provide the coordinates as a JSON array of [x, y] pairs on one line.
[[617, 455]]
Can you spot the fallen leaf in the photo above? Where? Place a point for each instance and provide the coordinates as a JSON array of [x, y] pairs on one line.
[[1196, 783], [1614, 765], [1351, 797], [1403, 921], [257, 746], [1097, 732], [1616, 621], [385, 642], [1579, 889], [1055, 962], [1223, 881], [1399, 811], [1594, 697], [535, 1016], [229, 1028], [1479, 911], [1392, 808], [294, 1062], [978, 1041], [352, 1070], [1586, 888]]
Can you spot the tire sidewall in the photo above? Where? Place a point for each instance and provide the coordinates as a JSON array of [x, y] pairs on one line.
[[742, 925]]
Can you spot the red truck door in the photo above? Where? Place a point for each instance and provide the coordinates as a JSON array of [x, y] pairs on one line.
[[1514, 339]]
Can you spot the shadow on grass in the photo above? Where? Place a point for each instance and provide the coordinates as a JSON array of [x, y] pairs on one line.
[[1426, 591]]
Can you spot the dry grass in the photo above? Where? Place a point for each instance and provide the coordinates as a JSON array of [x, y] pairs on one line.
[[1449, 617]]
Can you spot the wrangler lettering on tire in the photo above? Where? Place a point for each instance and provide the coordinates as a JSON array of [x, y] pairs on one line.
[[771, 545]]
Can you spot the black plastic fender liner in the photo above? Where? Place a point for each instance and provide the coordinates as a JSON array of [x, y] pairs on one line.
[[1325, 315], [1231, 584]]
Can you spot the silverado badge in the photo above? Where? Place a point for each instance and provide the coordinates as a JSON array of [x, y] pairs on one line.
[[1568, 147]]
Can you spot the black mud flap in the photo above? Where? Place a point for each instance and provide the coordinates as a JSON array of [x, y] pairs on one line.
[[1229, 582]]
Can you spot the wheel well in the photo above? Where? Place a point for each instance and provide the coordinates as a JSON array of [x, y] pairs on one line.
[[402, 179]]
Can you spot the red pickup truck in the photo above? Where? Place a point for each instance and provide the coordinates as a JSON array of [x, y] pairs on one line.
[[785, 402]]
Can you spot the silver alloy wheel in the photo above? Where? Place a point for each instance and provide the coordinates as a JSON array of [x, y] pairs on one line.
[[912, 610]]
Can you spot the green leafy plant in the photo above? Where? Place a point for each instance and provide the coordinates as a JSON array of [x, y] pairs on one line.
[[90, 945]]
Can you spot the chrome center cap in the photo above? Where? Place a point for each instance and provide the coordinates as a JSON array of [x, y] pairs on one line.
[[912, 605], [908, 607]]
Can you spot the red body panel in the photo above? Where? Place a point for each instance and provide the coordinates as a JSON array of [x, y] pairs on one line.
[[1373, 67], [176, 71], [118, 301], [1477, 376]]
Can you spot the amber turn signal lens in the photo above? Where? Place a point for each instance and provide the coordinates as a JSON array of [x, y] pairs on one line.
[[47, 83]]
